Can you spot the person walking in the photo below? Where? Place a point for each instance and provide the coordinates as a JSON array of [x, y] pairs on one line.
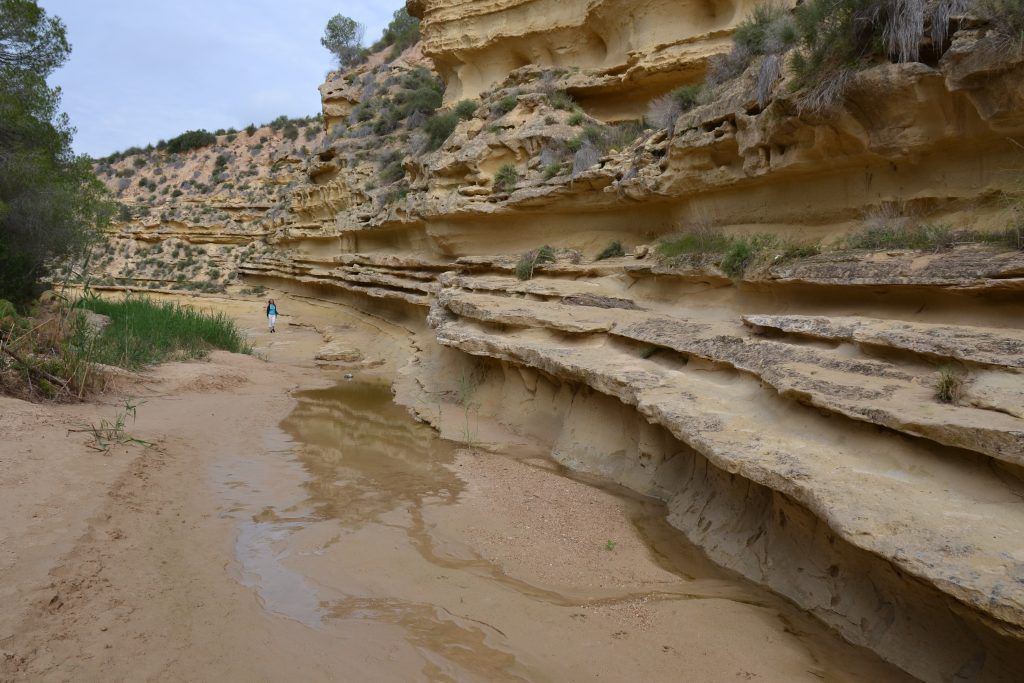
[[271, 314]]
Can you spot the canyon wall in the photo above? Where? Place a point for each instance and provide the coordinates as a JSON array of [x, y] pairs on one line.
[[620, 53], [799, 328]]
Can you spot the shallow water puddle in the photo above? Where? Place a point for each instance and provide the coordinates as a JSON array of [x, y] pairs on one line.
[[359, 521]]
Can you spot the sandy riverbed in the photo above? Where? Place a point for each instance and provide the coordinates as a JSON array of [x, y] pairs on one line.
[[290, 525]]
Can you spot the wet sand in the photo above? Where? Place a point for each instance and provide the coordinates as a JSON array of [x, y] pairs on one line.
[[325, 535]]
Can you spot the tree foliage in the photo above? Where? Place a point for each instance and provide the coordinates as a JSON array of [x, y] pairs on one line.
[[402, 32], [51, 204], [343, 37]]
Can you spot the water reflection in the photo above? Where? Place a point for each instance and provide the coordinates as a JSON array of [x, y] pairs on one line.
[[366, 456]]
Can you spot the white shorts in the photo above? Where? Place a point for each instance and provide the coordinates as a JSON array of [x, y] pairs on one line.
[[271, 320]]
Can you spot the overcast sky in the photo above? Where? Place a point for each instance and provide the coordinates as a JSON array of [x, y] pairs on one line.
[[142, 70]]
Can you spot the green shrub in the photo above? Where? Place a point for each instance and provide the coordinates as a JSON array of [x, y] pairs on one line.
[[900, 235], [594, 136], [392, 172], [688, 96], [613, 250], [552, 169], [401, 33], [1012, 236], [506, 178], [799, 251], [769, 30], [290, 132], [385, 124], [576, 119], [734, 255], [737, 257], [562, 100], [365, 112], [505, 105], [465, 109], [529, 261], [424, 99], [193, 139], [439, 128]]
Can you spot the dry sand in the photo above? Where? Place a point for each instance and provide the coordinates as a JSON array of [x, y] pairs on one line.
[[324, 535]]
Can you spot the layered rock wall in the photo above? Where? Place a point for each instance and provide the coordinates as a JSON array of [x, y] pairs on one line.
[[621, 52], [804, 331]]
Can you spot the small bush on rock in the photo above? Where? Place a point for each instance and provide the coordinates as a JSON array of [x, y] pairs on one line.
[[562, 100], [552, 169], [529, 261], [950, 385], [504, 105], [439, 128], [506, 178], [465, 109]]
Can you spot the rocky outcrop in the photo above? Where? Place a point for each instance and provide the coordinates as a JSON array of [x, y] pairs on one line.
[[616, 54]]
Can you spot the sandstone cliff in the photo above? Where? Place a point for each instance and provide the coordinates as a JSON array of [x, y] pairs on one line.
[[802, 330]]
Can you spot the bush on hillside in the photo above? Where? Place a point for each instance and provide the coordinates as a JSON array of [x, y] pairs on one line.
[[439, 128], [400, 34], [504, 105], [189, 140], [465, 109]]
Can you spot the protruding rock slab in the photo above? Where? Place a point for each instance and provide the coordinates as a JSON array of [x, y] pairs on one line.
[[912, 520], [983, 345], [576, 292], [861, 389], [965, 268]]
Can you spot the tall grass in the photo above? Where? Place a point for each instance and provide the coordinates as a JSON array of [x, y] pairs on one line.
[[53, 355], [143, 332]]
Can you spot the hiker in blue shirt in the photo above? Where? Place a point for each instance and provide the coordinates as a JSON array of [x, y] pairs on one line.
[[271, 314]]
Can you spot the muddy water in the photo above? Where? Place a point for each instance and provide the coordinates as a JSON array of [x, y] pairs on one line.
[[431, 563]]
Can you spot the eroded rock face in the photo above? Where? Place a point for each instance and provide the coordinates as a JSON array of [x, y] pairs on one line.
[[723, 391], [785, 404], [625, 51]]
